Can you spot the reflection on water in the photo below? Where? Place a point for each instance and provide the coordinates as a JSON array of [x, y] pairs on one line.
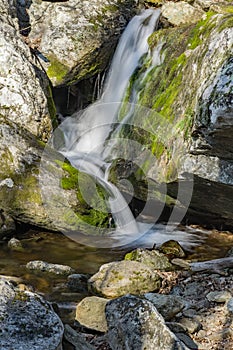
[[56, 248]]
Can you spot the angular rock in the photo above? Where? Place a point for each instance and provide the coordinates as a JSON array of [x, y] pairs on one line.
[[78, 38], [150, 258], [178, 13], [167, 305], [190, 324], [27, 321], [76, 339], [118, 278], [90, 312], [134, 323], [78, 282], [50, 268], [219, 297]]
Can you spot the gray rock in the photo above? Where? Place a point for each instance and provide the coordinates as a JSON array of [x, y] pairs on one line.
[[23, 86], [167, 305], [219, 297], [50, 268], [134, 323], [27, 321], [118, 278], [190, 324], [76, 37], [90, 312], [230, 306], [187, 341], [181, 13], [151, 258], [7, 224], [78, 282], [15, 244], [76, 339]]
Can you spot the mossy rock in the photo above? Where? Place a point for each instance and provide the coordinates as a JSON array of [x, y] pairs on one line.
[[150, 258]]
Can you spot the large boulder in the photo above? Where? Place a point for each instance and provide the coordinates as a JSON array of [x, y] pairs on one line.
[[187, 120], [134, 323], [27, 321], [178, 13], [25, 95], [119, 278], [77, 38]]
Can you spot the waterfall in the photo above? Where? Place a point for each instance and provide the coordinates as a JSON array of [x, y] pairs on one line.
[[86, 132]]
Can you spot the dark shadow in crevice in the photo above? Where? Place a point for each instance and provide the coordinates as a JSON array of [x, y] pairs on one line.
[[22, 7]]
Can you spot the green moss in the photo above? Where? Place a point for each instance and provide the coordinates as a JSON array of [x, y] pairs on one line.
[[57, 69], [51, 107], [227, 22], [201, 30], [86, 212]]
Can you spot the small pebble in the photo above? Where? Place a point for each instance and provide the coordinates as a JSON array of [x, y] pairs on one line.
[[190, 325], [15, 244], [219, 297]]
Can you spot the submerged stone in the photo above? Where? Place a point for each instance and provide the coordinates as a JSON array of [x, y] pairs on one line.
[[50, 268]]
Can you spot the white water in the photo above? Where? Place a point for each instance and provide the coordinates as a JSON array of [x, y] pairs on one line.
[[86, 134]]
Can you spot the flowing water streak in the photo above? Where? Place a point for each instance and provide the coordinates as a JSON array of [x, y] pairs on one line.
[[86, 132]]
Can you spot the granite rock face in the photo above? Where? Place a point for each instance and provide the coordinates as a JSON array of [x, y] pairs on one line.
[[187, 95], [134, 323], [24, 88], [77, 38], [27, 321]]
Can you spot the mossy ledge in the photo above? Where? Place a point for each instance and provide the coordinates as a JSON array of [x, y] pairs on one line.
[[92, 209], [171, 89]]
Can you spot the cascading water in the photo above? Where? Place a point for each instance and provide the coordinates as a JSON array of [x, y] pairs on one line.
[[88, 137], [85, 133]]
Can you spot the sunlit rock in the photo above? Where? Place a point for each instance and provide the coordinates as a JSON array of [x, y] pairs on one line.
[[118, 278]]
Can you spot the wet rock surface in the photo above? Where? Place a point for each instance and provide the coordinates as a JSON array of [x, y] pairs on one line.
[[24, 89]]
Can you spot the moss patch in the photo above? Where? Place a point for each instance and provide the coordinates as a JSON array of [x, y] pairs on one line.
[[57, 70], [95, 212]]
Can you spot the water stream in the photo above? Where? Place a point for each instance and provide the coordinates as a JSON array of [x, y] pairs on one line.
[[86, 133]]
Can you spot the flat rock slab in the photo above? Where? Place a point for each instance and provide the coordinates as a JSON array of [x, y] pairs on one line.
[[50, 268], [27, 322]]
